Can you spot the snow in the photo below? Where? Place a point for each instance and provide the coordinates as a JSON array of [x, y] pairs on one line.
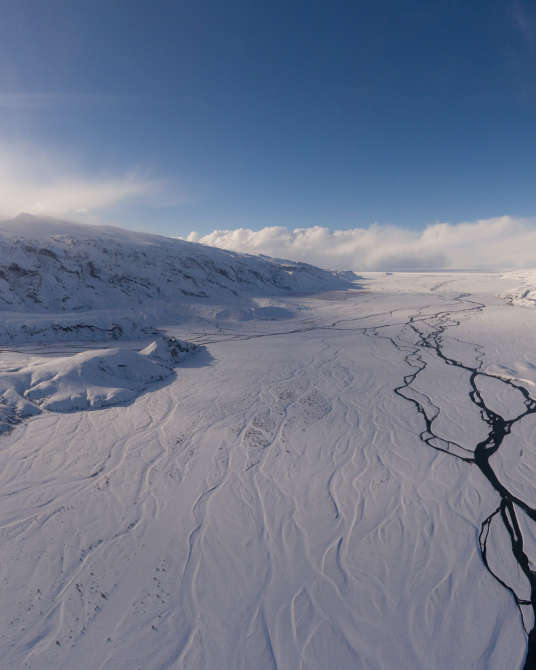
[[60, 280], [273, 499], [525, 293], [88, 380]]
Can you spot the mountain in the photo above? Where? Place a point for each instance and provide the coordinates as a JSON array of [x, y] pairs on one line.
[[50, 267]]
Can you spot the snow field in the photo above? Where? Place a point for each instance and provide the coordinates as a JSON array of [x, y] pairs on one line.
[[270, 507]]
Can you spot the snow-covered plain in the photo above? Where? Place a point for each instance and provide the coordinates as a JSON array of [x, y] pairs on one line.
[[349, 484]]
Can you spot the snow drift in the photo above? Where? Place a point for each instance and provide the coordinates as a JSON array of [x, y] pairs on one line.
[[88, 380], [525, 294]]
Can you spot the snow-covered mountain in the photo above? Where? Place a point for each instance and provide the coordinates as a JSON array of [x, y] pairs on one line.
[[65, 281], [53, 265]]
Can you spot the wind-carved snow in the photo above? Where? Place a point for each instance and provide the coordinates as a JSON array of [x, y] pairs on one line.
[[87, 380], [317, 491]]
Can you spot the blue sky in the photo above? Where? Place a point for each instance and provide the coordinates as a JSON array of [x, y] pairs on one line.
[[173, 116]]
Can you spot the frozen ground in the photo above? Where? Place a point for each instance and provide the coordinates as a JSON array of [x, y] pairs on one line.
[[349, 487]]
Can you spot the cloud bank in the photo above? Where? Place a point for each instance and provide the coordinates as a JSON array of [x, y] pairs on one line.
[[499, 243], [41, 182]]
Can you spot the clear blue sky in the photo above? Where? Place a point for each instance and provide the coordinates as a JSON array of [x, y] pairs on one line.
[[279, 113]]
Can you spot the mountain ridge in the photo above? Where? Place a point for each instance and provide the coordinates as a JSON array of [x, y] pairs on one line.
[[52, 267]]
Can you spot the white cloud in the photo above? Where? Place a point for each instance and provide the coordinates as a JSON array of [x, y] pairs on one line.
[[43, 182], [503, 242]]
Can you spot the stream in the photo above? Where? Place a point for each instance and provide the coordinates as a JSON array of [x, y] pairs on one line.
[[430, 335]]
